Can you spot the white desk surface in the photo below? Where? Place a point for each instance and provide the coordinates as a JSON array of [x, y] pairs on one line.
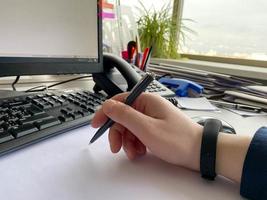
[[65, 167]]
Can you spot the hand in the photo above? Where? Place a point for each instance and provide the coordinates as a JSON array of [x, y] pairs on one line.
[[154, 123]]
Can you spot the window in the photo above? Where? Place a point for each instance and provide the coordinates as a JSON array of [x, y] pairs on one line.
[[233, 29]]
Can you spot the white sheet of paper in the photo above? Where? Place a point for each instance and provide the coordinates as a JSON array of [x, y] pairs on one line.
[[196, 104], [66, 168]]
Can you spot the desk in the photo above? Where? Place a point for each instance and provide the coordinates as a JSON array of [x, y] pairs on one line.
[[65, 167]]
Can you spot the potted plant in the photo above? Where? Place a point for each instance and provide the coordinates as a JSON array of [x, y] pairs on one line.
[[157, 28]]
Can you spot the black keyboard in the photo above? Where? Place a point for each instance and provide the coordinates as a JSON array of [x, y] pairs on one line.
[[30, 118]]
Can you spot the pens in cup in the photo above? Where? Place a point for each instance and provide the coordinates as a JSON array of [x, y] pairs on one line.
[[135, 92]]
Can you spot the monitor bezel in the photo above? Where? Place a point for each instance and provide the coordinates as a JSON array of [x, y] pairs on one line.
[[19, 66]]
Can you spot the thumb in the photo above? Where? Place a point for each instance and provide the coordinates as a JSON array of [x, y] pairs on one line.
[[133, 120]]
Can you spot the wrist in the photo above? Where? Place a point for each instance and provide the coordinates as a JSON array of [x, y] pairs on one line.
[[195, 148], [231, 153]]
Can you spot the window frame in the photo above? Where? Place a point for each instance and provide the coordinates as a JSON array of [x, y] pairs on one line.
[[226, 60]]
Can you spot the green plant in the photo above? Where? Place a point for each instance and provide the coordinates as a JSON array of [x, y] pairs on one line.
[[157, 28]]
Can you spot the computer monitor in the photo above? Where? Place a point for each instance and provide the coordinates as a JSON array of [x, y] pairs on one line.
[[50, 37]]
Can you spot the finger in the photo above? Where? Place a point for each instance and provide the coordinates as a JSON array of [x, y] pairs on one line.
[[128, 146], [136, 122], [134, 148], [99, 119], [130, 136], [140, 147], [145, 103], [115, 137]]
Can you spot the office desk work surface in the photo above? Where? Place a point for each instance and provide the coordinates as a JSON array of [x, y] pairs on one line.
[[65, 167]]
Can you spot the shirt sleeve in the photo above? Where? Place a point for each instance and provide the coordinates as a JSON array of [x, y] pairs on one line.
[[254, 175]]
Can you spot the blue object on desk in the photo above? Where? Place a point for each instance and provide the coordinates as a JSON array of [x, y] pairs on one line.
[[182, 87]]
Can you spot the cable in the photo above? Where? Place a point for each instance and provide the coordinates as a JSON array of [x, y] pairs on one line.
[[39, 86], [66, 81], [15, 81], [164, 75], [55, 84]]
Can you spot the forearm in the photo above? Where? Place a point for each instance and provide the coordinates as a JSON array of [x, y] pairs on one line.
[[230, 156]]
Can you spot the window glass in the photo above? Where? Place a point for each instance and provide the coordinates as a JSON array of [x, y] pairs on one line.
[[235, 29], [135, 4]]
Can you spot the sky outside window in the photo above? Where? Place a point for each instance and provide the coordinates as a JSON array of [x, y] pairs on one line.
[[227, 28]]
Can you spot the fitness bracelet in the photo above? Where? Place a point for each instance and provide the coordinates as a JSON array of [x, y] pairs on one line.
[[212, 127]]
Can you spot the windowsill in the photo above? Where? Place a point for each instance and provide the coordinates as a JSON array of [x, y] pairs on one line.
[[252, 72]]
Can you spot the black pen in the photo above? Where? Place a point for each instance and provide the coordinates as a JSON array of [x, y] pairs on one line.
[[135, 92]]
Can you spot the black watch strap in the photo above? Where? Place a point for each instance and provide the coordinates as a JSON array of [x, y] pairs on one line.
[[212, 128]]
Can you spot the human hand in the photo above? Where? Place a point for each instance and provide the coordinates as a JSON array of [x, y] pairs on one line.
[[154, 123]]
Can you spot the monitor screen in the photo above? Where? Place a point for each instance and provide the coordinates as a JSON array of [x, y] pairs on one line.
[[49, 37]]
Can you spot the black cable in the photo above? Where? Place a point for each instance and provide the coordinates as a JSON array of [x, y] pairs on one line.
[[33, 88], [15, 81], [66, 81], [55, 84], [164, 75]]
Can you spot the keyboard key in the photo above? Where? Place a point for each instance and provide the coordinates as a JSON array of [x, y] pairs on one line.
[[65, 118], [24, 130], [65, 96], [4, 125], [36, 118], [26, 115], [63, 102], [71, 115], [55, 104], [3, 109], [45, 105], [47, 123], [5, 136], [18, 103], [77, 115], [33, 110], [30, 98], [77, 103], [64, 111], [3, 117], [85, 112]]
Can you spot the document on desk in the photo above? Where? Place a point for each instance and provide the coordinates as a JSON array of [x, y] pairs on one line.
[[246, 96], [65, 167], [195, 104], [259, 88], [246, 113]]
